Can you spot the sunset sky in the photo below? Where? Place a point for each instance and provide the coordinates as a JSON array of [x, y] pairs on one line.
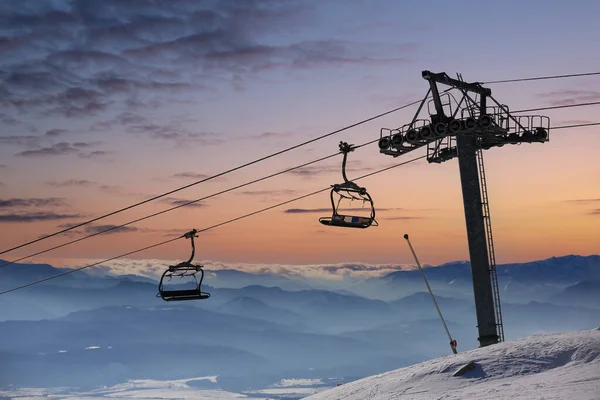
[[106, 103]]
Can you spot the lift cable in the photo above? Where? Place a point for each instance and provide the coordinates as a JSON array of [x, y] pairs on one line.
[[592, 103], [540, 78], [115, 227], [203, 230], [237, 219], [187, 203], [273, 155], [88, 266], [211, 177], [576, 125]]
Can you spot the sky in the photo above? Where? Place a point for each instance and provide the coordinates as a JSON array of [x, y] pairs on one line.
[[105, 104]]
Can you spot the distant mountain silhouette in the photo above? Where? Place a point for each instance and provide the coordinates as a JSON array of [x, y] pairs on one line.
[[231, 278], [584, 294], [20, 273], [145, 342], [253, 308], [518, 281], [522, 319], [532, 280], [419, 305]]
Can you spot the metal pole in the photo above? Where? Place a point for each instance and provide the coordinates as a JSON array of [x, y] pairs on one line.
[[452, 341], [480, 268]]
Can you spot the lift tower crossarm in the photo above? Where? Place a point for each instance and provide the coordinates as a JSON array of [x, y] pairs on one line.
[[443, 78]]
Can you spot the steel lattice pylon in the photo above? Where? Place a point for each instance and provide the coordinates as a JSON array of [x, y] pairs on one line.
[[462, 129]]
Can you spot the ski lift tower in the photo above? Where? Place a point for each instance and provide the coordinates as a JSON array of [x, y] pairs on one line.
[[463, 129]]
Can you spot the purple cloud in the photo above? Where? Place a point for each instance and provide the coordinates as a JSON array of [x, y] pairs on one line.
[[83, 58], [36, 217], [32, 202]]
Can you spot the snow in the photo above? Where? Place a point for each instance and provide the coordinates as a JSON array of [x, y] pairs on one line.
[[549, 366], [286, 392], [156, 384], [180, 394], [544, 366], [298, 382], [139, 389]]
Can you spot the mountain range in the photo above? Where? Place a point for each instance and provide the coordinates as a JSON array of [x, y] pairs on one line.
[[88, 330]]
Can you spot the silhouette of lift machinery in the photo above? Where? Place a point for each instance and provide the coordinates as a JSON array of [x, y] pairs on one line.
[[463, 129]]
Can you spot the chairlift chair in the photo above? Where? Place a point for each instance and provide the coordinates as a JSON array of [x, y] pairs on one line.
[[349, 191], [183, 270]]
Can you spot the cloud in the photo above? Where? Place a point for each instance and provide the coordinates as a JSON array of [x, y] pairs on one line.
[[3, 166], [100, 228], [56, 132], [567, 97], [41, 145], [82, 58], [122, 120], [122, 85], [119, 191], [582, 201], [585, 202], [178, 202], [83, 145], [95, 154], [185, 138], [306, 210], [20, 140], [342, 272], [282, 192], [58, 149], [401, 218], [32, 202], [110, 189], [36, 217], [73, 183], [111, 229], [176, 134], [190, 175], [312, 171], [197, 176], [70, 102], [274, 135]]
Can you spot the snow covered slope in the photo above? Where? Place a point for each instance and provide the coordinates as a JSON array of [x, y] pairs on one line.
[[548, 366]]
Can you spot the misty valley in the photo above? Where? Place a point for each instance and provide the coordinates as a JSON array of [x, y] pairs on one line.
[[259, 330]]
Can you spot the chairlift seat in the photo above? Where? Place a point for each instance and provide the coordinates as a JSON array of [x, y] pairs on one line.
[[348, 221], [179, 295]]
